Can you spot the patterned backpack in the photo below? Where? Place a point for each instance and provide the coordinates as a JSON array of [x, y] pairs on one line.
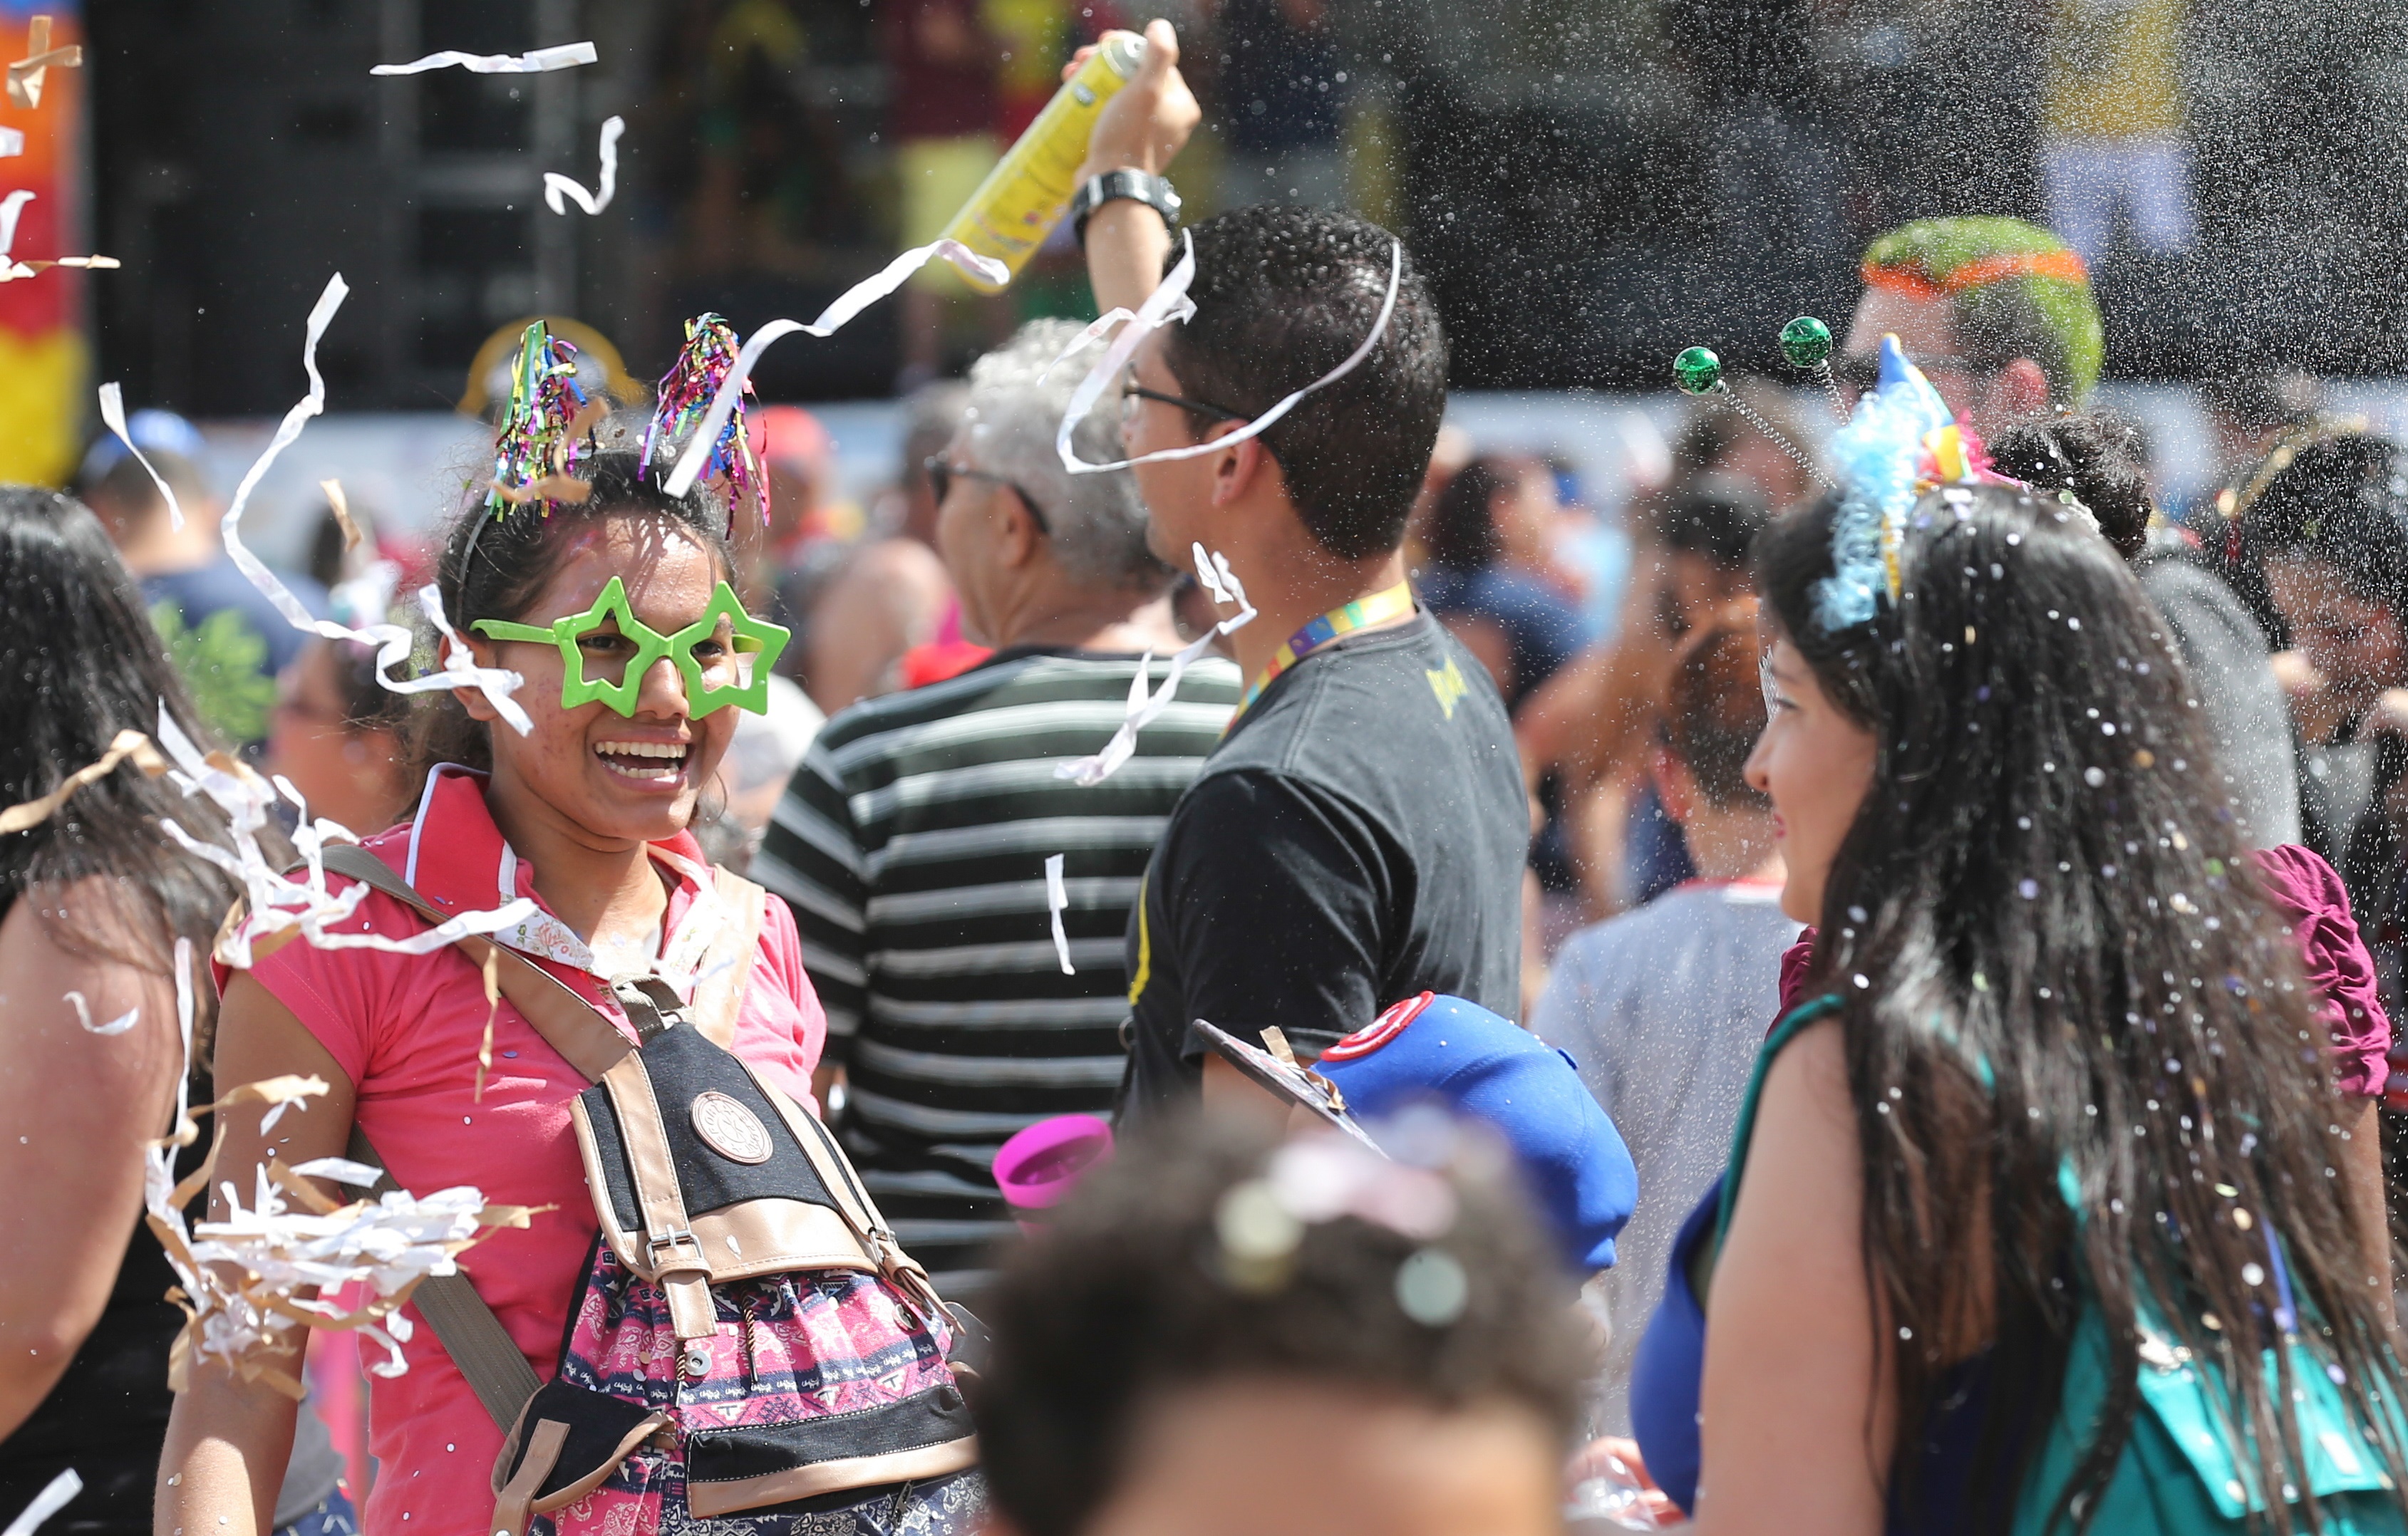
[[748, 1343]]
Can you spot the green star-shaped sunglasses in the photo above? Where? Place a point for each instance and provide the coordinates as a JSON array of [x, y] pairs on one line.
[[747, 637]]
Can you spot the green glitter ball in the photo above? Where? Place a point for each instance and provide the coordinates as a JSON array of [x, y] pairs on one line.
[[1805, 341], [1697, 370]]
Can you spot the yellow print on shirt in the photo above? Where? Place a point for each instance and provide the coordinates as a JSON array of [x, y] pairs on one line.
[[1447, 684]]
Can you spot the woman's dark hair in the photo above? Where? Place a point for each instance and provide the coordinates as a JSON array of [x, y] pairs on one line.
[[1713, 709], [494, 567], [2339, 499], [2075, 979], [1463, 534], [2097, 457], [79, 663], [1128, 1295]]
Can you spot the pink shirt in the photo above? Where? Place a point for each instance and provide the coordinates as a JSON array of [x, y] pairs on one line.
[[406, 1031]]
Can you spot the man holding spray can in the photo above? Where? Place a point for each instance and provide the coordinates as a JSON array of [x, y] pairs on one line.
[[1357, 836]]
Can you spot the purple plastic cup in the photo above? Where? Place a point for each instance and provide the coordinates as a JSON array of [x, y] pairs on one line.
[[1040, 1166]]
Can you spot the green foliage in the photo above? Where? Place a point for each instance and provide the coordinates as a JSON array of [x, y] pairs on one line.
[[225, 665]]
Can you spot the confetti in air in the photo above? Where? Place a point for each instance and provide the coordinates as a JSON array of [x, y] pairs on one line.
[[12, 142], [1055, 900], [541, 61], [1213, 572], [557, 187], [11, 207], [1170, 302], [386, 1246], [46, 1503], [852, 302], [393, 642], [26, 74], [112, 415]]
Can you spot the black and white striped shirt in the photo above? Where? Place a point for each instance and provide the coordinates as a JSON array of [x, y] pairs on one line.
[[911, 845]]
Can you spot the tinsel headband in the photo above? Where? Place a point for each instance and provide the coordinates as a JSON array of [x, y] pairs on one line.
[[686, 391]]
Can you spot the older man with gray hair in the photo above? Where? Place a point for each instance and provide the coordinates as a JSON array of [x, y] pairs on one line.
[[912, 843]]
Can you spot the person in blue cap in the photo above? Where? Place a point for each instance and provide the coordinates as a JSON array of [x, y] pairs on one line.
[[226, 638], [1483, 1066]]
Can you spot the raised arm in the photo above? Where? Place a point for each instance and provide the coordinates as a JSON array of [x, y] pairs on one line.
[[228, 1439], [1141, 128]]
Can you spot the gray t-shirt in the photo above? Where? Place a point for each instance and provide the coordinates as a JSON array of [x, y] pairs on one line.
[[2225, 654], [1663, 1010]]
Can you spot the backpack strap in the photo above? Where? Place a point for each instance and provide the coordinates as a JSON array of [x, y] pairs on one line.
[[717, 998], [569, 1024], [486, 1356]]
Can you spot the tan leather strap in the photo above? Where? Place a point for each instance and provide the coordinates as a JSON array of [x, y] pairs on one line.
[[515, 1504], [487, 1357], [568, 1024], [675, 1258]]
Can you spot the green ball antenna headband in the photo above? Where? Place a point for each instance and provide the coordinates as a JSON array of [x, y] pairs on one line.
[[748, 635]]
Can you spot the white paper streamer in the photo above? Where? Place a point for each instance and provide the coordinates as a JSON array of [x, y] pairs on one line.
[[1167, 302], [342, 1171], [11, 207], [1213, 572], [112, 415], [852, 302], [563, 56], [12, 142], [393, 642], [115, 1026], [1055, 900], [46, 1503], [557, 187]]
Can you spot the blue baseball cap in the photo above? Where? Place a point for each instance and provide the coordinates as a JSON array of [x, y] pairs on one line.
[[154, 432], [1485, 1067]]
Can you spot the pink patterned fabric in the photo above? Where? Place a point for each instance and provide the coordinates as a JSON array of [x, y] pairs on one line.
[[789, 1348]]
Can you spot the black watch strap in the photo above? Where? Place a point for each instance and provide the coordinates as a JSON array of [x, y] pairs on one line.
[[1155, 191]]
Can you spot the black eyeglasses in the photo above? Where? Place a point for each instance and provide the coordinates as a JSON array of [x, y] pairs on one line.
[[941, 481], [1132, 393]]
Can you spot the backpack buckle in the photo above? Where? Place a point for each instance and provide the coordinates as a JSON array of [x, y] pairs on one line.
[[673, 1239]]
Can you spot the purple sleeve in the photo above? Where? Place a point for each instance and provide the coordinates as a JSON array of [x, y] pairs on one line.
[[2310, 895], [1796, 961]]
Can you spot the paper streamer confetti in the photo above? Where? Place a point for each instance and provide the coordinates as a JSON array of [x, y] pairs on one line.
[[115, 1026], [341, 506], [25, 76], [12, 142], [128, 744], [1169, 301], [557, 187], [386, 1246], [1055, 900], [393, 642], [47, 1502], [852, 302], [112, 415], [10, 270], [1213, 572], [541, 61]]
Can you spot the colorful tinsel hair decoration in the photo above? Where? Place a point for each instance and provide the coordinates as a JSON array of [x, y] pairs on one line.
[[685, 394], [547, 432], [1901, 442]]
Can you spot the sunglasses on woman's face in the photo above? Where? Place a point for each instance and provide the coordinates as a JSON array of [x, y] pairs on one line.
[[940, 484]]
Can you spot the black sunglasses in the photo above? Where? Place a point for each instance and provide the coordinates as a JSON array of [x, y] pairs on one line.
[[941, 481]]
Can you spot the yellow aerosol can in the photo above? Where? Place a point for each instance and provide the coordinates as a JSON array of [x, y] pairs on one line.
[[1029, 189]]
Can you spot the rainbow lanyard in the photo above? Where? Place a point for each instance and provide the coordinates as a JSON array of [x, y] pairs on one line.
[[1362, 613]]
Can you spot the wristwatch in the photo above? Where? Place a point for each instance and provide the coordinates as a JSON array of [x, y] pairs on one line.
[[1137, 186]]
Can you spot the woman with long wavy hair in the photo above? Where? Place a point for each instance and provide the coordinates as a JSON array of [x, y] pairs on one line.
[[2033, 1221]]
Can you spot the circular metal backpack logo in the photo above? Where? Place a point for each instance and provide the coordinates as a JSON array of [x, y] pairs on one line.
[[729, 1128]]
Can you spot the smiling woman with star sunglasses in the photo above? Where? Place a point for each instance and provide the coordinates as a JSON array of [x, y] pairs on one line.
[[611, 598]]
